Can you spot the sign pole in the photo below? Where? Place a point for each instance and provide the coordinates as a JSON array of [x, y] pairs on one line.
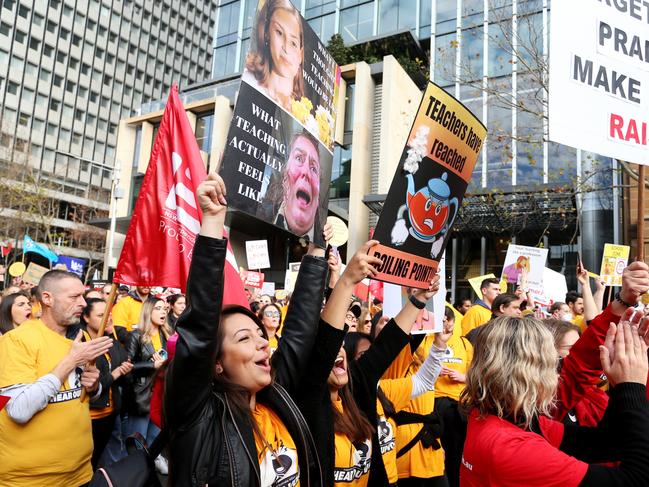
[[641, 193]]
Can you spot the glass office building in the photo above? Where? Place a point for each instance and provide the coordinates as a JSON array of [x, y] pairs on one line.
[[69, 71]]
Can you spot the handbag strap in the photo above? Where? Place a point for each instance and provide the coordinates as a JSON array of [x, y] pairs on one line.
[[159, 443]]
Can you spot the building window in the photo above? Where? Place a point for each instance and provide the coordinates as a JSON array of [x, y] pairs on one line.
[[64, 34], [324, 26], [224, 59], [228, 23], [51, 26], [23, 12], [58, 80], [357, 22], [13, 87], [54, 105], [20, 37], [340, 172], [48, 50], [395, 15], [44, 75], [38, 19], [60, 57], [204, 126], [5, 29], [34, 44]]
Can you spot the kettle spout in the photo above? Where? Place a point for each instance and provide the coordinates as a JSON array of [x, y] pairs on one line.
[[411, 185]]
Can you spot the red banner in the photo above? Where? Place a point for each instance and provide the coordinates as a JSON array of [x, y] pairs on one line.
[[160, 239]]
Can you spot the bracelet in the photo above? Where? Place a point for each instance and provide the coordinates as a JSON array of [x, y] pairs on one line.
[[619, 299], [418, 304]]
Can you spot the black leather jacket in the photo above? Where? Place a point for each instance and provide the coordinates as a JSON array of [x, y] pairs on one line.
[[210, 444], [144, 371]]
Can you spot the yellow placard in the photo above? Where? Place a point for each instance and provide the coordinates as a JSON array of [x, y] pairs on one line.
[[476, 281], [614, 260], [17, 269]]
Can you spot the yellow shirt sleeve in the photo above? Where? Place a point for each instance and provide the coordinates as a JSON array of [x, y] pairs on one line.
[[398, 391], [400, 365], [17, 363]]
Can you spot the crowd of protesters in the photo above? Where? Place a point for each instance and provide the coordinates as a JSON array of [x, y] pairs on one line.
[[319, 388]]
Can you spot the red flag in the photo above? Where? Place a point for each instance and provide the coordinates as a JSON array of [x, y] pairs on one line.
[[3, 401], [160, 239], [6, 248]]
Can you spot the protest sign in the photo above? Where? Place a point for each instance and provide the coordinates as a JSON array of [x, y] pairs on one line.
[[475, 283], [268, 288], [257, 254], [73, 264], [524, 265], [291, 276], [340, 231], [598, 96], [428, 321], [17, 269], [34, 273], [279, 150], [554, 288], [427, 190], [614, 260], [252, 279]]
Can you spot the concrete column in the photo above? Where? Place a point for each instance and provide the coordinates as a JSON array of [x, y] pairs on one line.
[[359, 184], [222, 119], [400, 100]]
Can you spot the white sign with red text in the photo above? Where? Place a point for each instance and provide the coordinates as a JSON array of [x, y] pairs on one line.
[[599, 77]]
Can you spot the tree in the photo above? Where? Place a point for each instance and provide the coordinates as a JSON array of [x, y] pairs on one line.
[[31, 204]]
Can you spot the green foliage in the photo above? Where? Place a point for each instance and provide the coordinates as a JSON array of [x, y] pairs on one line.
[[376, 50]]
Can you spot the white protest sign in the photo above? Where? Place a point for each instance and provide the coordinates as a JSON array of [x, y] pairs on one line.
[[523, 263], [268, 288], [599, 77], [291, 276], [257, 254], [555, 288]]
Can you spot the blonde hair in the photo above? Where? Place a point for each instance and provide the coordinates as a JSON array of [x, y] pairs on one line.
[[514, 371], [146, 327]]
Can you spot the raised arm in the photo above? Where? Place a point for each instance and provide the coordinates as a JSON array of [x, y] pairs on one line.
[[301, 324], [590, 307], [190, 373], [582, 367]]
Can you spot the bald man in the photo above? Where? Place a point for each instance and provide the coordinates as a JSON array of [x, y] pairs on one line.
[[45, 429]]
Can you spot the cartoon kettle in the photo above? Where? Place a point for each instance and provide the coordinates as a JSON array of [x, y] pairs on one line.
[[429, 208]]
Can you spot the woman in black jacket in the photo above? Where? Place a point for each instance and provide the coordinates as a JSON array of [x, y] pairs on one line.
[[147, 350], [231, 422], [343, 415], [113, 370]]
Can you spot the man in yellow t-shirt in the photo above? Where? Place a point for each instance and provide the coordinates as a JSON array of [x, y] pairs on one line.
[[480, 312], [45, 430], [576, 304], [126, 312]]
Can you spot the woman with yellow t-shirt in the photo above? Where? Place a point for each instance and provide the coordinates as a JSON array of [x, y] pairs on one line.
[[395, 394], [343, 419], [112, 366], [455, 364], [271, 317], [231, 421], [146, 349]]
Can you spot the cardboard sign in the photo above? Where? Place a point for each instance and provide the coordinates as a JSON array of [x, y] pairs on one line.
[[428, 321], [253, 279], [614, 260], [279, 149], [34, 273], [598, 96], [291, 276], [427, 190], [476, 281], [340, 231], [524, 267], [257, 254]]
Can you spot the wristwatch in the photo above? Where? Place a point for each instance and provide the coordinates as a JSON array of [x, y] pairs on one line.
[[619, 299]]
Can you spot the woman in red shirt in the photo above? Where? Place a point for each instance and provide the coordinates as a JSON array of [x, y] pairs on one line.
[[509, 394]]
